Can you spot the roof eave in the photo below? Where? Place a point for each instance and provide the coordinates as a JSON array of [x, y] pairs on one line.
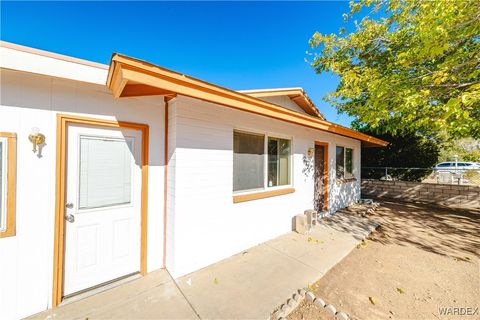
[[125, 73]]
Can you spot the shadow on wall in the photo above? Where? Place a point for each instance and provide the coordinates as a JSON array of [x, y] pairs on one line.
[[343, 195], [340, 195], [308, 166]]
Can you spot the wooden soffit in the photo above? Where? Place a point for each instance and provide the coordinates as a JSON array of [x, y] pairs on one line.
[[132, 77]]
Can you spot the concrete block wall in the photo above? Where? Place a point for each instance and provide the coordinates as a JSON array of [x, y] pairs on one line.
[[454, 196]]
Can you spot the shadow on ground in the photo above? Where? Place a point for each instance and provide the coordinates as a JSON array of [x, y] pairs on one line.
[[442, 231], [420, 260], [343, 221]]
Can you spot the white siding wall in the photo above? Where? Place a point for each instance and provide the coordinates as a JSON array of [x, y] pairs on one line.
[[26, 101], [171, 175], [208, 226]]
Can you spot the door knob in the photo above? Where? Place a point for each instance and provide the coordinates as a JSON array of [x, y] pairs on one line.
[[70, 218], [69, 205]]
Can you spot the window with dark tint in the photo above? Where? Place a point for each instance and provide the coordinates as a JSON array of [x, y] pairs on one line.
[[344, 163], [340, 162], [348, 163], [248, 161]]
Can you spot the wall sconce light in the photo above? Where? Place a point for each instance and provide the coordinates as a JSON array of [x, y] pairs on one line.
[[36, 138], [310, 152]]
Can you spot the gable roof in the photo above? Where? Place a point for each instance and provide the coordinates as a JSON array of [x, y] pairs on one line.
[[297, 95], [129, 77]]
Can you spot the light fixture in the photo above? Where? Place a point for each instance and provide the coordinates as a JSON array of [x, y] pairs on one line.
[[36, 138], [310, 152]]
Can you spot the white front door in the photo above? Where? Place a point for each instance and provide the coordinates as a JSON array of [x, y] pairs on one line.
[[102, 209]]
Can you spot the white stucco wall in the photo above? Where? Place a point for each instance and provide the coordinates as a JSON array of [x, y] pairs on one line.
[[206, 225], [28, 100]]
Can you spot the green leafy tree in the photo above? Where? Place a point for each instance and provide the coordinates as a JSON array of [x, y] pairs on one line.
[[409, 64]]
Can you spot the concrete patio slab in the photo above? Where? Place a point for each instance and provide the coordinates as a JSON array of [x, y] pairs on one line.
[[154, 296]]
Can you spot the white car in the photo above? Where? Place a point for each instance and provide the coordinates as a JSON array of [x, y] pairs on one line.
[[457, 166]]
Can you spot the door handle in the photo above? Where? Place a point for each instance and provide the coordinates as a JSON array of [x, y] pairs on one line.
[[70, 218]]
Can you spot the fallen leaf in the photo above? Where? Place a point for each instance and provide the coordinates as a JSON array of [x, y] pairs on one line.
[[372, 300], [362, 244], [215, 281], [400, 290]]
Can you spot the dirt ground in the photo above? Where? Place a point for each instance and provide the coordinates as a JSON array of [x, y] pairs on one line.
[[420, 260]]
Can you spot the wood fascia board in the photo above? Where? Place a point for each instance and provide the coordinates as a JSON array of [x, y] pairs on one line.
[[275, 93], [143, 72], [117, 82], [305, 104]]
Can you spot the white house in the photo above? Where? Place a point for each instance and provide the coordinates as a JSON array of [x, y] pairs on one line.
[[110, 171]]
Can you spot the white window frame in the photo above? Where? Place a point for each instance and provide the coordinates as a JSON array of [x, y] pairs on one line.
[[345, 162], [4, 164], [267, 135]]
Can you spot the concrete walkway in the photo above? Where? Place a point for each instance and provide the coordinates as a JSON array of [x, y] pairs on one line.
[[253, 283], [248, 285]]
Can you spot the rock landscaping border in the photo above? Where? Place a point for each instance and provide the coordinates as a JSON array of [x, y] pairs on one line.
[[285, 309]]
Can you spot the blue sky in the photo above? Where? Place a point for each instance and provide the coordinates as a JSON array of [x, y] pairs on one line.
[[239, 45]]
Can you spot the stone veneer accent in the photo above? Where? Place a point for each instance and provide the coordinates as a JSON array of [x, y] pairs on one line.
[[453, 196]]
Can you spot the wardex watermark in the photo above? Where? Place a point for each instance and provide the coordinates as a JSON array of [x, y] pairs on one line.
[[458, 311]]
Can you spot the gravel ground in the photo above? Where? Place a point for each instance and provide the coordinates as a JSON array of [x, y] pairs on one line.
[[421, 259]]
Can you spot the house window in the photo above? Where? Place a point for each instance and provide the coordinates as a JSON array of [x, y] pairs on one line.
[[278, 162], [248, 161], [344, 163], [260, 161], [7, 183]]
